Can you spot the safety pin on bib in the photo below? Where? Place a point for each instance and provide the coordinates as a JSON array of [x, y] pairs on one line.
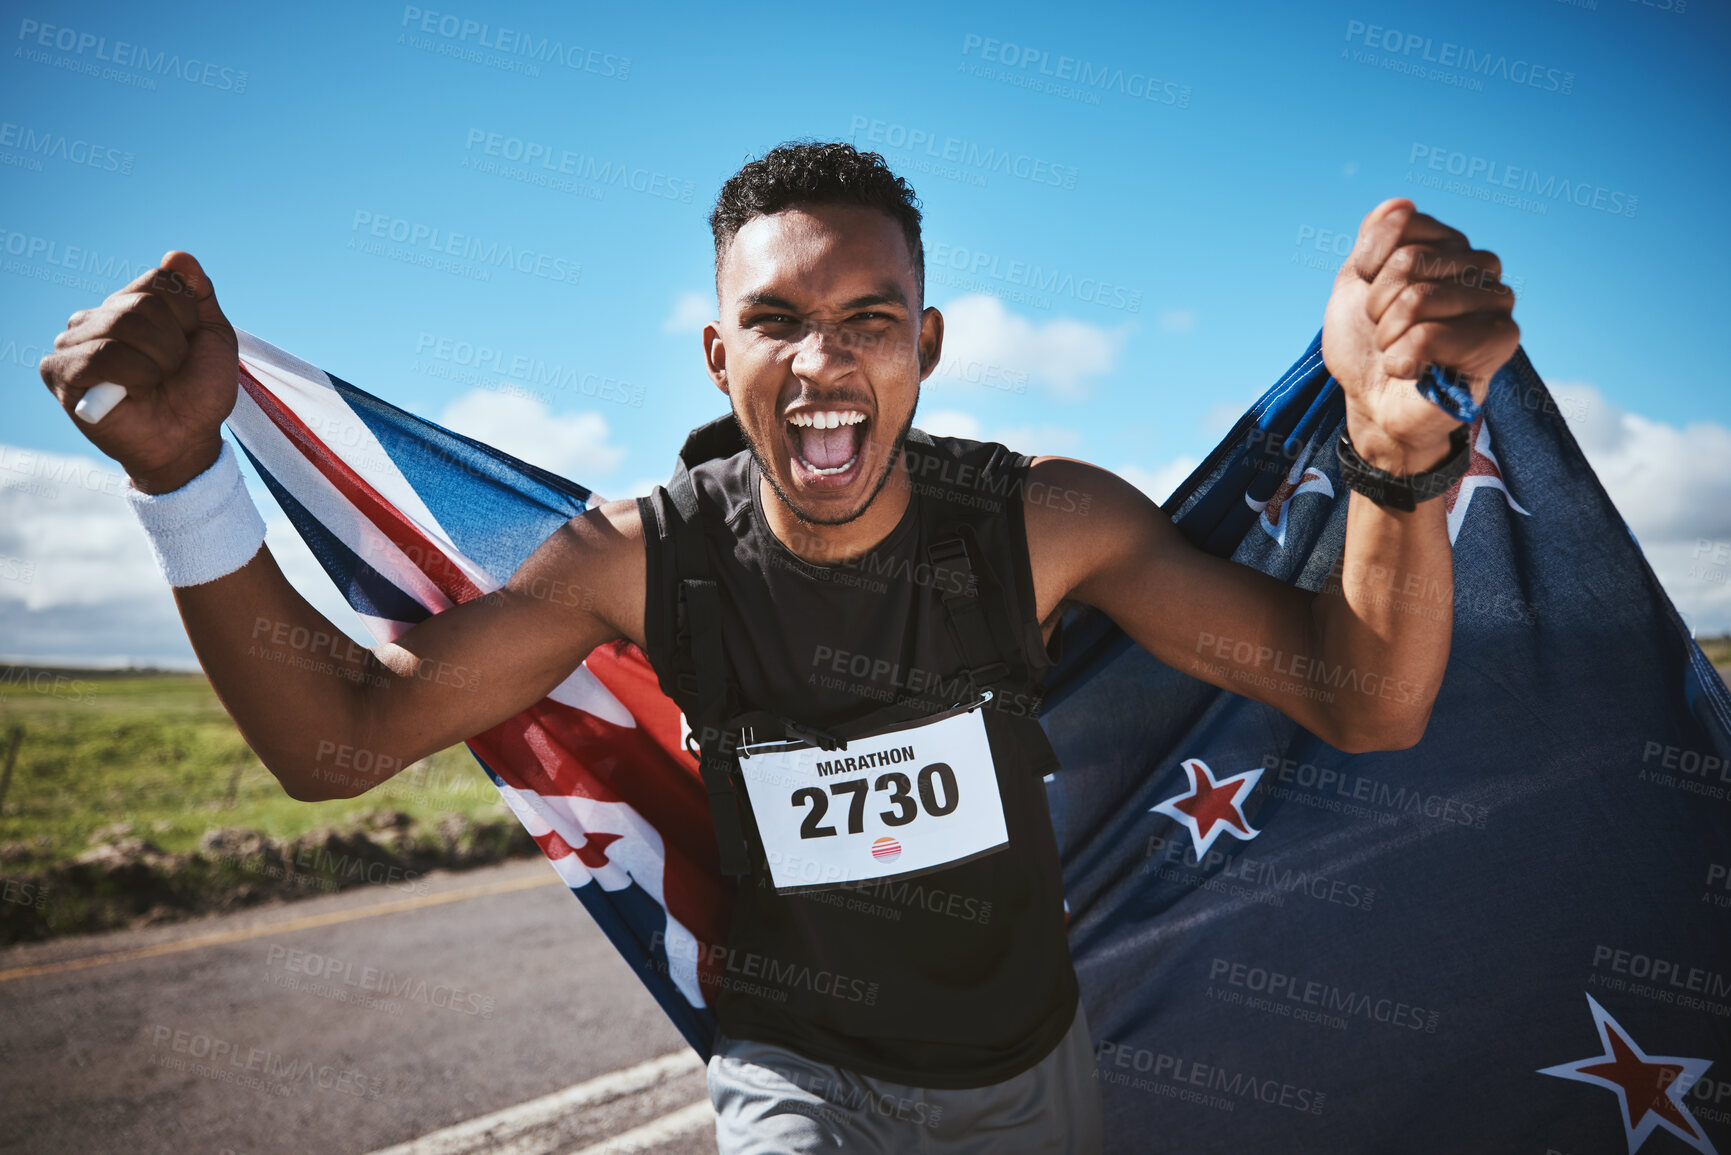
[[811, 736]]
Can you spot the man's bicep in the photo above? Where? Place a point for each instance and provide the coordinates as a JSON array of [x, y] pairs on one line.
[[470, 667], [1182, 604], [1091, 534], [1219, 621], [1127, 559], [592, 567]]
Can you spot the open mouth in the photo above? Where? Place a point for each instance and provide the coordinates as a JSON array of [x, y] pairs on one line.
[[825, 446]]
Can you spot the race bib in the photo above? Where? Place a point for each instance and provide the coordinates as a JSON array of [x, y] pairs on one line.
[[906, 801]]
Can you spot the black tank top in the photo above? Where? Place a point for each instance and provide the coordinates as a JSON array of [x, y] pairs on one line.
[[956, 978]]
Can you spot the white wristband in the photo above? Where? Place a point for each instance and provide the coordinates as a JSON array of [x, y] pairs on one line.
[[205, 529]]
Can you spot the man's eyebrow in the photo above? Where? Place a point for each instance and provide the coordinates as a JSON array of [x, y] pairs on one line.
[[766, 300], [888, 295]]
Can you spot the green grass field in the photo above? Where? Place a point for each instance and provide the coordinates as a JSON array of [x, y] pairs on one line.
[[158, 751]]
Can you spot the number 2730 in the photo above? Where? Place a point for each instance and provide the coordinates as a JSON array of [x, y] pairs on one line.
[[938, 796]]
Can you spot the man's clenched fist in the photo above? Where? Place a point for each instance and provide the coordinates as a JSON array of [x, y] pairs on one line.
[[164, 338], [1413, 293]]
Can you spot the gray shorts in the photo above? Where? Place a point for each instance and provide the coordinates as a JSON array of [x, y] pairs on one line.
[[773, 1101]]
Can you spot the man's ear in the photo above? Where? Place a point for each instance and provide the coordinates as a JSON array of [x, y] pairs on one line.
[[931, 341], [715, 355]]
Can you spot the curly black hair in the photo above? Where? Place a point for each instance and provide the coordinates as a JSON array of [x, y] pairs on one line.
[[816, 172]]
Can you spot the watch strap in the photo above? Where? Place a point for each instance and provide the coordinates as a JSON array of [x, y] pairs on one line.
[[1403, 491]]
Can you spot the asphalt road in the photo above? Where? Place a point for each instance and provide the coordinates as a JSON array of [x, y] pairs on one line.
[[344, 1023]]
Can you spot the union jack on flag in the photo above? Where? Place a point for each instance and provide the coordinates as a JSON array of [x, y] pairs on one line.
[[409, 519]]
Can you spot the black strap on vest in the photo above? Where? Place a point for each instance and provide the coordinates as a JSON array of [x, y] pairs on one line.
[[970, 624], [700, 621]]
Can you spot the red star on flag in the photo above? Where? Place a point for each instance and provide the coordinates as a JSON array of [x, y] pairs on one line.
[[1213, 806], [1482, 471], [1302, 479], [593, 852], [1650, 1088]]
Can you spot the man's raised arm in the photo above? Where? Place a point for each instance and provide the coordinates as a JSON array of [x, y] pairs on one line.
[[309, 703], [1356, 667]]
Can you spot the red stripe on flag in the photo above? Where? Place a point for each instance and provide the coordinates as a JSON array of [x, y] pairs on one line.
[[429, 558], [556, 750]]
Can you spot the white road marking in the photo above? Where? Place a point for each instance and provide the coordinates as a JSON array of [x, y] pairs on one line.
[[656, 1132], [494, 1133]]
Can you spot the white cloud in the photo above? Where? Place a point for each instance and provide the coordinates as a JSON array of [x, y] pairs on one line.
[[1697, 575], [949, 423], [1158, 483], [78, 583], [1037, 440], [1671, 484], [65, 514], [1178, 320], [1032, 440], [572, 445], [982, 339], [691, 312]]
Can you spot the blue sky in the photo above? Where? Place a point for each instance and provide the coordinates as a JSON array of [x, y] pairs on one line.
[[1204, 180]]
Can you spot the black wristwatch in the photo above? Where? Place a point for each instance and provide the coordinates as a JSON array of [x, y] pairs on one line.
[[1403, 491]]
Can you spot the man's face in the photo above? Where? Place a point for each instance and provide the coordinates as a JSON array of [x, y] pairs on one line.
[[821, 348]]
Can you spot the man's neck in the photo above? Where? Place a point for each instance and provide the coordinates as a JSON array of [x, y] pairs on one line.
[[835, 544]]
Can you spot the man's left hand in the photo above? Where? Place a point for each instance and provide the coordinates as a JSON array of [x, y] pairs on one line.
[[1413, 293]]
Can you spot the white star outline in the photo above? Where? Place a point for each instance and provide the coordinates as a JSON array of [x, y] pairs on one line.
[[1198, 769], [1304, 478], [1472, 482], [1693, 1069]]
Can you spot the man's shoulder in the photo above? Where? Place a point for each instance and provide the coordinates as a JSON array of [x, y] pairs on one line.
[[621, 513], [607, 538], [962, 470], [594, 563], [1076, 511], [962, 447], [723, 485]]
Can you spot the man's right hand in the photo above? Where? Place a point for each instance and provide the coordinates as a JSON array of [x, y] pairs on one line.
[[165, 339], [454, 675]]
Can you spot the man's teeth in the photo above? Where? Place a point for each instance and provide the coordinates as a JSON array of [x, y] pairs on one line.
[[842, 468], [830, 419], [827, 419]]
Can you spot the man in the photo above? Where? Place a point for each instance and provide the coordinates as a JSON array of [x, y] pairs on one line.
[[849, 612]]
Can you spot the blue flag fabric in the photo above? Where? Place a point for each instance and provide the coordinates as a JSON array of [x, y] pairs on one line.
[[1515, 936]]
